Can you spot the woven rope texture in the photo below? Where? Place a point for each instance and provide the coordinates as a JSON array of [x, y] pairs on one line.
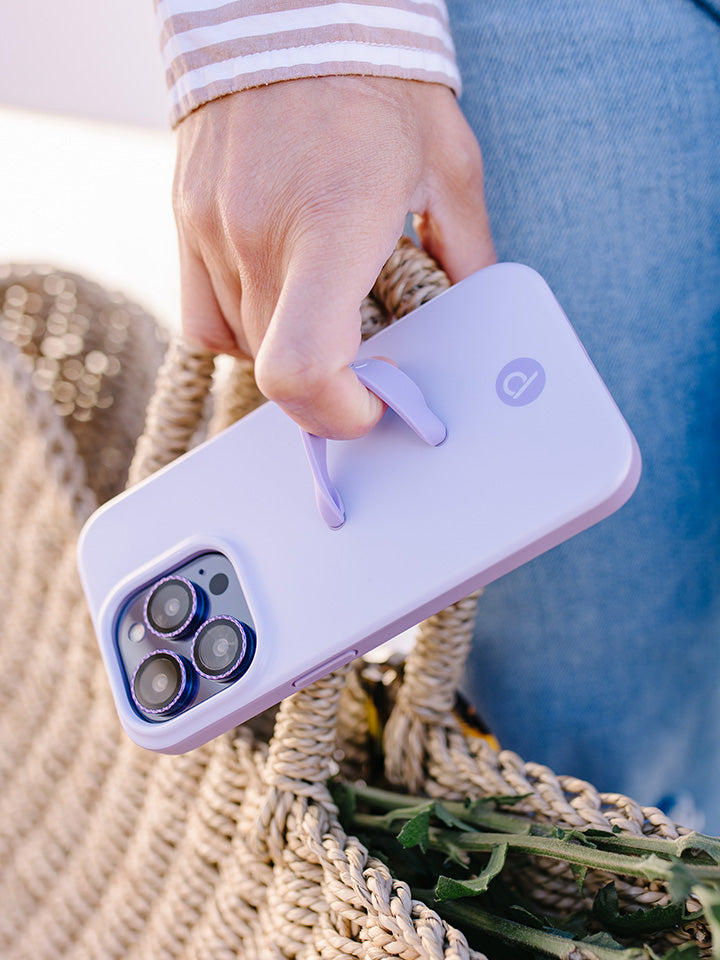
[[234, 850]]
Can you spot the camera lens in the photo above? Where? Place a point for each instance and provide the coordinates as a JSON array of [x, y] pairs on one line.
[[172, 607], [161, 683], [223, 648]]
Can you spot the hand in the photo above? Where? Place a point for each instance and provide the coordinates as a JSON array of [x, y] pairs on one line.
[[290, 198]]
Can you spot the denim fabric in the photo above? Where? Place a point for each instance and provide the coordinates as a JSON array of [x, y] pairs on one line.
[[600, 129]]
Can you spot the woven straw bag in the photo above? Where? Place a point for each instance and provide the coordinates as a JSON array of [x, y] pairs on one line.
[[235, 849]]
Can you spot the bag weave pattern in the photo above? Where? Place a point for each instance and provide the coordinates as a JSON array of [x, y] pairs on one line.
[[235, 849]]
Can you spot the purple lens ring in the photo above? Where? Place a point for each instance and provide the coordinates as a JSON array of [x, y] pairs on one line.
[[187, 620], [184, 687], [246, 642]]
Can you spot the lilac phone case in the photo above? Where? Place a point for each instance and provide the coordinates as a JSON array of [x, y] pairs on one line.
[[536, 450]]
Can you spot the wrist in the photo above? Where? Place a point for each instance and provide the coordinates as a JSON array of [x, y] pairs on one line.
[[210, 54]]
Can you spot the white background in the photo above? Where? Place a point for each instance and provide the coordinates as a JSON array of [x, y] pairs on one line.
[[86, 155]]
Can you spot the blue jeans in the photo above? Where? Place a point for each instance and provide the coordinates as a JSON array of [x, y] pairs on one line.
[[600, 129]]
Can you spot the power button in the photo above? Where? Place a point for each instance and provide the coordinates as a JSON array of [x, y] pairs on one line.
[[325, 668]]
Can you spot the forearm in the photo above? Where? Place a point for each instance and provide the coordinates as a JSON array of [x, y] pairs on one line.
[[211, 51]]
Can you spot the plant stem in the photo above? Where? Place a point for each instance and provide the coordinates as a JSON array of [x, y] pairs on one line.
[[472, 917], [493, 819], [646, 867], [567, 851], [615, 845]]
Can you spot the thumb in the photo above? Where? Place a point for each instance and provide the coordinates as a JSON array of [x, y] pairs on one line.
[[314, 334]]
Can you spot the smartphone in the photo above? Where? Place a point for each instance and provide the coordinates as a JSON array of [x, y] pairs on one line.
[[216, 588]]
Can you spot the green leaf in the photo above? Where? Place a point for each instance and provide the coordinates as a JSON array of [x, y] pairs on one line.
[[710, 900], [688, 951], [600, 833], [574, 836], [471, 917], [456, 854], [449, 889], [681, 882], [603, 939], [658, 865], [639, 922], [699, 842], [416, 832], [406, 813], [449, 818], [579, 872]]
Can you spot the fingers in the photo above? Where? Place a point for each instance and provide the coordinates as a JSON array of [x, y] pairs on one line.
[[203, 321], [456, 233], [303, 343], [305, 228], [454, 227], [325, 400], [303, 361]]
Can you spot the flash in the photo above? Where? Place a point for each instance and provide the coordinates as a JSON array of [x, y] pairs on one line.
[[136, 632]]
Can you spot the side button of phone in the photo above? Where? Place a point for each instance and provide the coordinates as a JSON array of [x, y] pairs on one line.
[[327, 667]]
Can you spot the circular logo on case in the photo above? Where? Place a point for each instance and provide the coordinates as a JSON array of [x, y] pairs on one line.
[[520, 382]]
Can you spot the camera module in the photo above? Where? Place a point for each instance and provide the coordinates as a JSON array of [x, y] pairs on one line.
[[173, 607], [162, 683], [223, 648], [184, 637]]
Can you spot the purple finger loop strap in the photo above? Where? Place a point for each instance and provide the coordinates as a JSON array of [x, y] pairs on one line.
[[329, 501], [404, 397]]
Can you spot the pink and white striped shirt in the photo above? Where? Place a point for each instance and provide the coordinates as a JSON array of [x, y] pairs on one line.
[[211, 48]]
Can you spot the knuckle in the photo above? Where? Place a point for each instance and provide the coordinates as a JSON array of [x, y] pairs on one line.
[[214, 338], [195, 211], [242, 238], [467, 168], [458, 160], [289, 379]]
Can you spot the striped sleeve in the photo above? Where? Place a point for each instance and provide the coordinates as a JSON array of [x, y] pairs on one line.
[[211, 48]]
